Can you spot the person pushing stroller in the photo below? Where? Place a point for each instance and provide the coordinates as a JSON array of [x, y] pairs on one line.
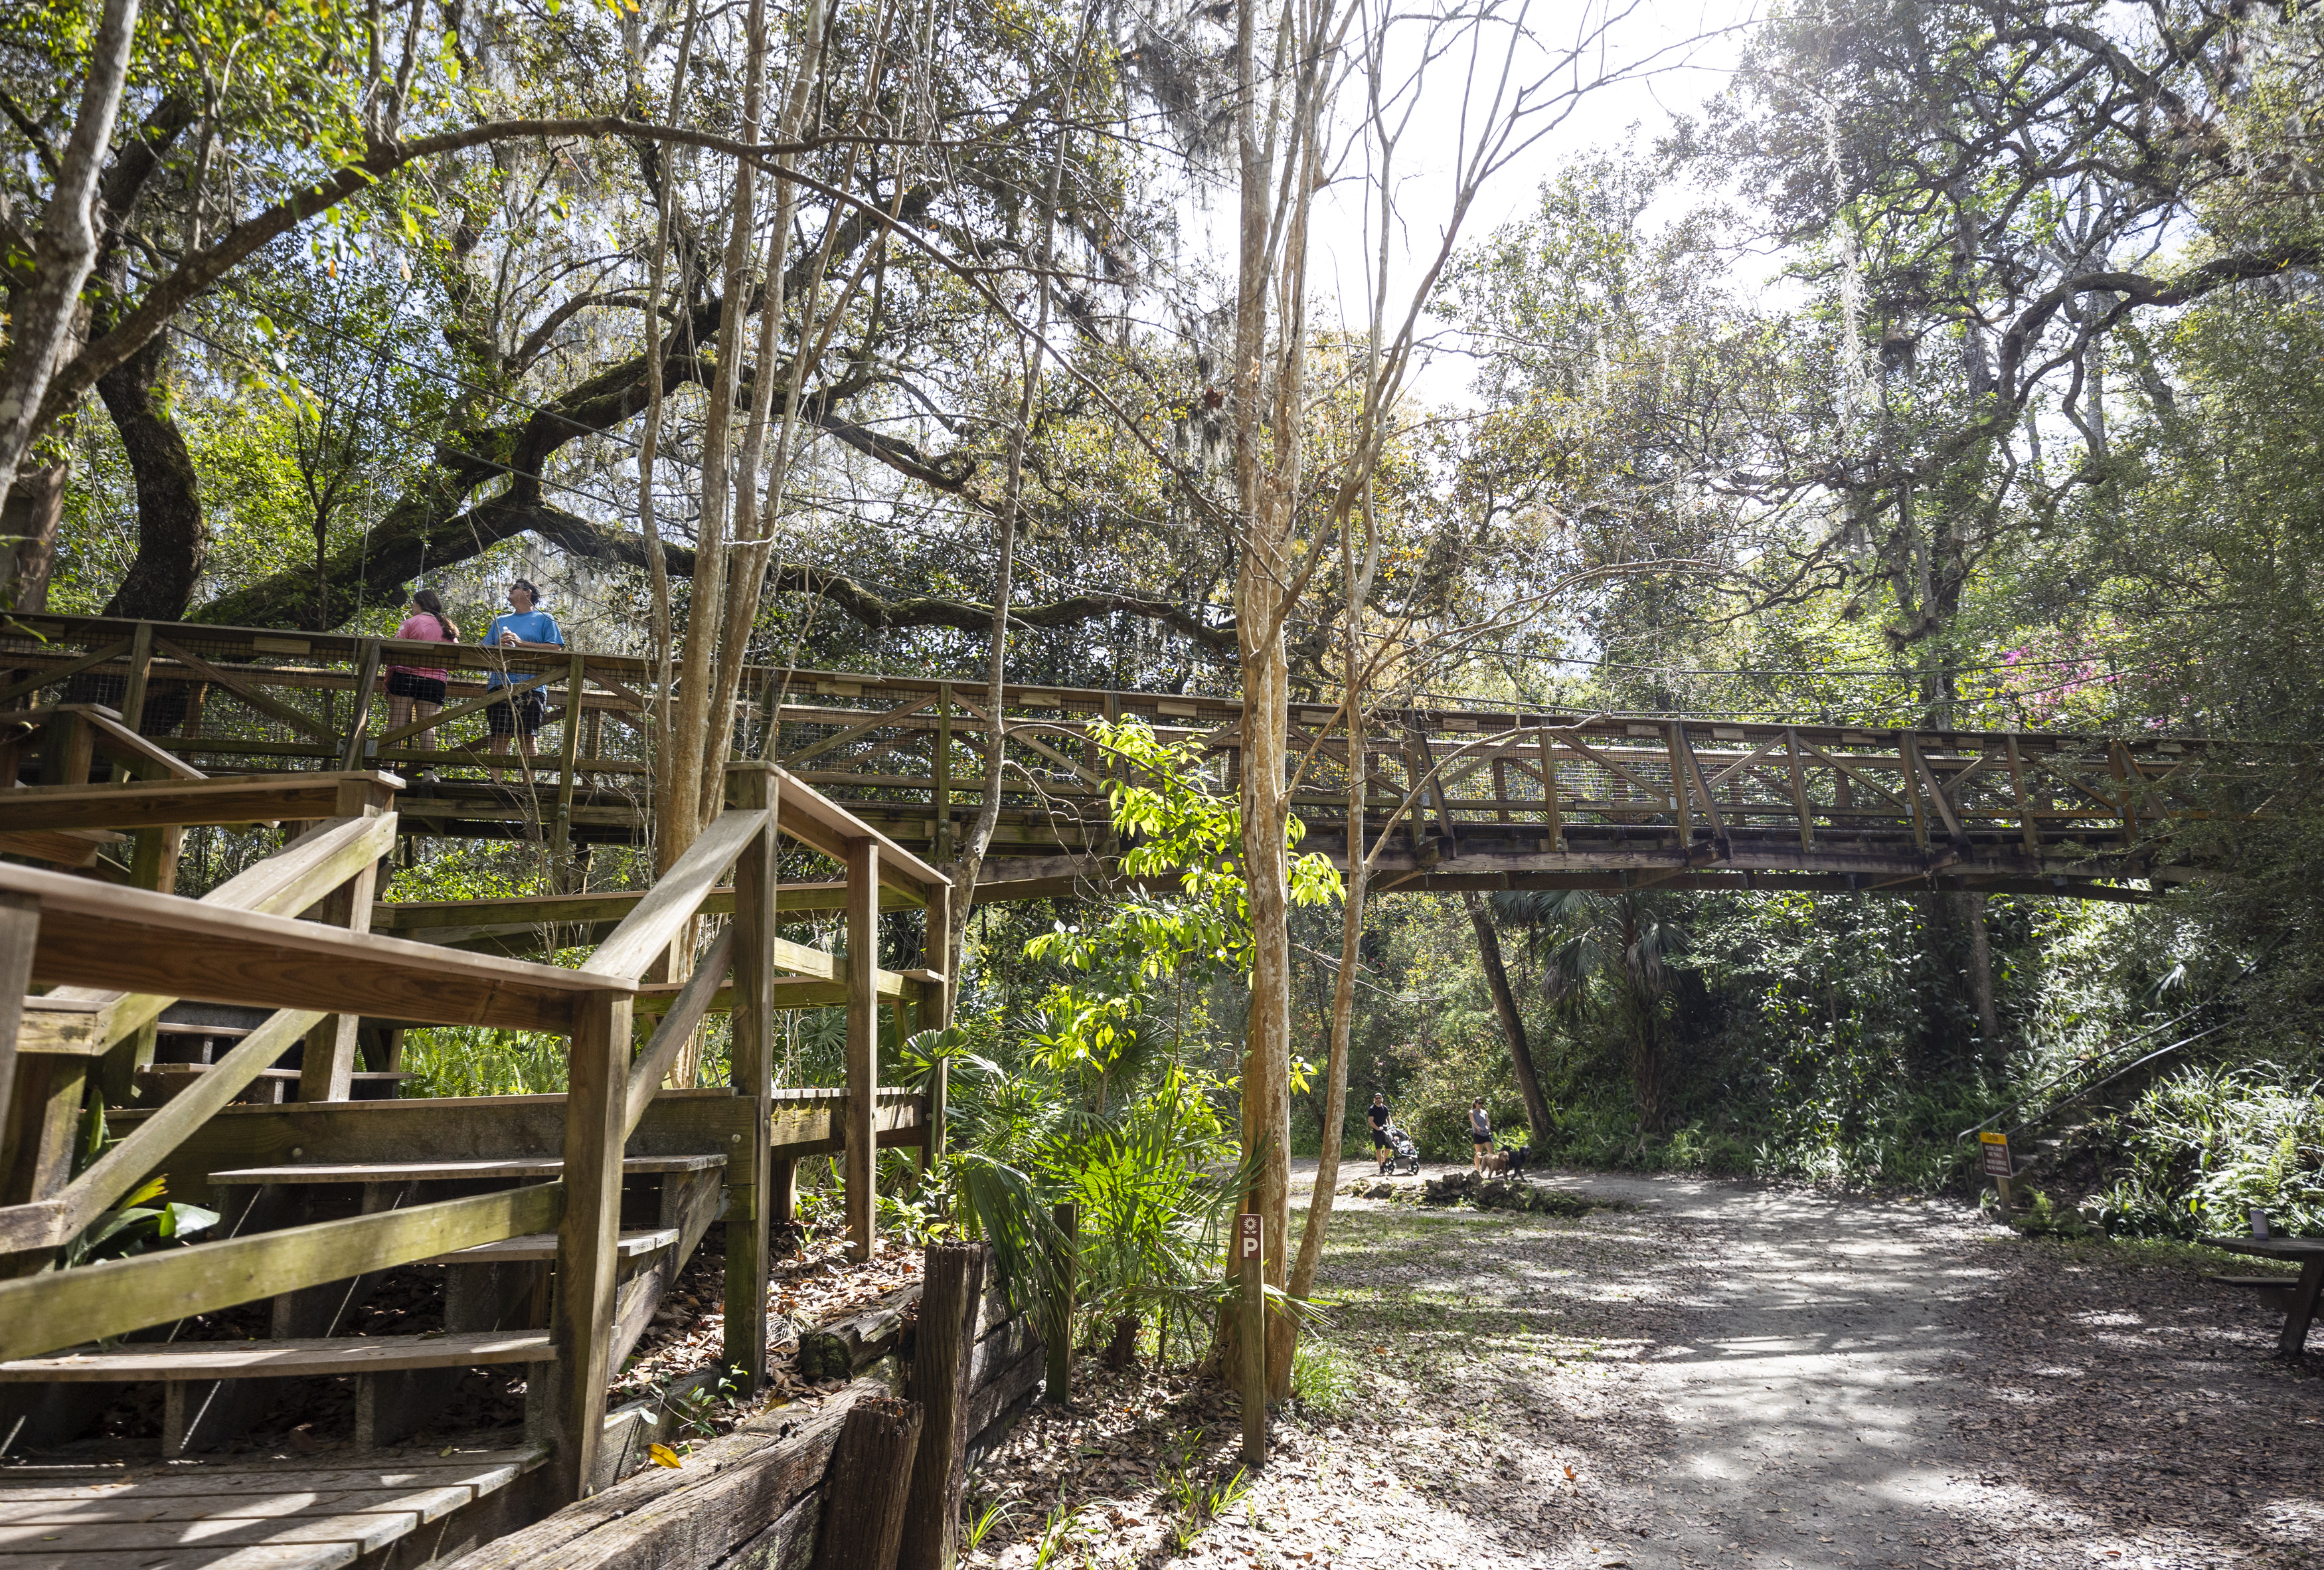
[[1391, 1146]]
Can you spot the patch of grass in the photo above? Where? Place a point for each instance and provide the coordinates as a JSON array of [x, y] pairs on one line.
[[2154, 1253], [1320, 1378]]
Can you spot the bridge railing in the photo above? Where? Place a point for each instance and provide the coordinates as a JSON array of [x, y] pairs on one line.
[[910, 754]]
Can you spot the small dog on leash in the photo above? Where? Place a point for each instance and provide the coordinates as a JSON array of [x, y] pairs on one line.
[[1509, 1159]]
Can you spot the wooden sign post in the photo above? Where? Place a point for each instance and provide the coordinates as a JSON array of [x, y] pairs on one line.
[[1996, 1150], [1250, 1256]]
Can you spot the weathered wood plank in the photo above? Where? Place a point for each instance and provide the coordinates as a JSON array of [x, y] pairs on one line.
[[758, 868], [687, 1010], [40, 1313], [645, 934], [696, 1515], [687, 1124], [862, 1042], [838, 1349], [536, 1166], [80, 1507], [540, 1248], [296, 1358], [1013, 1383], [243, 1477], [96, 936], [582, 1317]]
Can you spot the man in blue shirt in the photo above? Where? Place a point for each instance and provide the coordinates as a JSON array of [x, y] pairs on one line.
[[525, 627]]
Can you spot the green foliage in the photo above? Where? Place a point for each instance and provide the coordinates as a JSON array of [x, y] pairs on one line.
[[1323, 1381], [2205, 1145], [1087, 1096]]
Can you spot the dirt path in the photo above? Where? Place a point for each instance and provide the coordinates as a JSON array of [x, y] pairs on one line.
[[1716, 1374], [1807, 1387]]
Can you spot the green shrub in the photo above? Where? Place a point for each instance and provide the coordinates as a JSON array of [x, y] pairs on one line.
[[2205, 1144]]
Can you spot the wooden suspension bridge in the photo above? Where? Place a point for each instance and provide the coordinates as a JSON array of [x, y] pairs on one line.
[[240, 1040]]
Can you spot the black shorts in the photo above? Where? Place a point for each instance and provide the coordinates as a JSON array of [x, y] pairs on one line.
[[530, 709], [418, 687], [1482, 1141], [1379, 1139]]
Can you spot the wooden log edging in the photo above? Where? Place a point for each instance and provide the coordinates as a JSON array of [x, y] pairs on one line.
[[943, 1360], [838, 1350], [731, 1493], [866, 1489], [758, 1497]]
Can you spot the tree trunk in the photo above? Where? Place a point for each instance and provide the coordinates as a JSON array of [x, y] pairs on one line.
[[1971, 914], [172, 544], [1505, 1003], [35, 504], [42, 313]]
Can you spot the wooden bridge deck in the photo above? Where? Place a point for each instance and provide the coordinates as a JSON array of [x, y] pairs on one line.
[[1470, 797]]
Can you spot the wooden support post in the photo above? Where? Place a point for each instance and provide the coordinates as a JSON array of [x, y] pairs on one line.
[[582, 1323], [1059, 1331], [1551, 810], [351, 754], [2301, 1313], [1251, 1248], [327, 1067], [1675, 742], [936, 955], [1800, 803], [1909, 753], [863, 1042], [940, 843], [116, 1071], [756, 871], [2028, 832], [36, 1141], [2128, 779], [782, 1190], [866, 1487], [153, 858], [569, 757], [66, 748], [20, 932], [942, 1361], [132, 692]]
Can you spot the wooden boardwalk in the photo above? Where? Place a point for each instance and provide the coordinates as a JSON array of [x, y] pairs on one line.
[[544, 1230], [314, 1514], [1469, 796]]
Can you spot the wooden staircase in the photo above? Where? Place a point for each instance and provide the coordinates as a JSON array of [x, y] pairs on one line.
[[547, 1228]]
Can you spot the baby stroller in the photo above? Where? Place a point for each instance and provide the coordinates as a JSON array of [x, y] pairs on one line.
[[1403, 1154]]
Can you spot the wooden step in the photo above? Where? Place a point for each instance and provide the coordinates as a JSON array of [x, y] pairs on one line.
[[2255, 1283], [315, 1357], [161, 1083], [543, 1167], [220, 1512], [539, 1246]]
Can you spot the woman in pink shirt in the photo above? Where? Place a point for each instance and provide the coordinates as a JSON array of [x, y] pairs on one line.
[[408, 687]]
